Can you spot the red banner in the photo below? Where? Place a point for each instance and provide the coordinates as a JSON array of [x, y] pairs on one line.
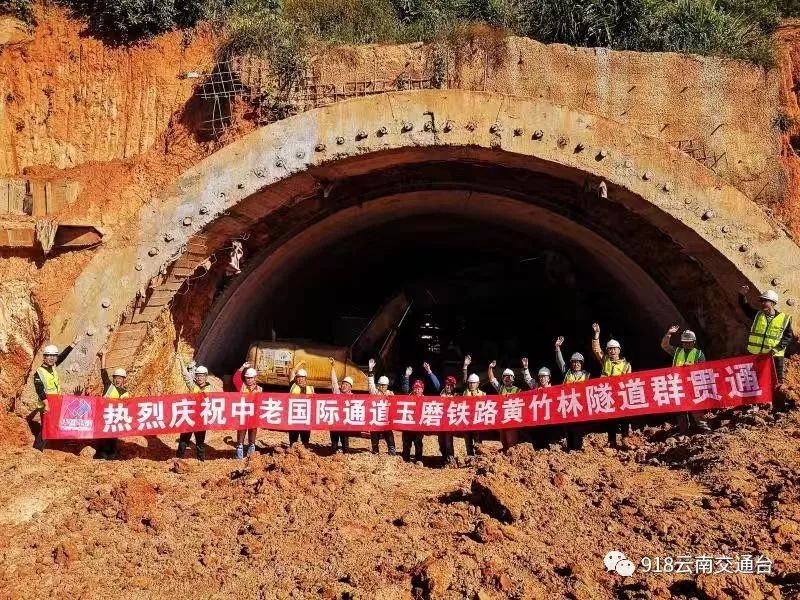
[[718, 384]]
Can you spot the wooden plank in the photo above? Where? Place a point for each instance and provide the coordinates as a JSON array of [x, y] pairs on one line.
[[120, 359], [123, 345], [159, 298], [147, 315], [5, 193], [39, 193], [51, 199], [17, 190]]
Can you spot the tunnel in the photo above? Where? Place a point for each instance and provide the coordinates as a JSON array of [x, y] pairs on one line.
[[507, 221], [497, 261]]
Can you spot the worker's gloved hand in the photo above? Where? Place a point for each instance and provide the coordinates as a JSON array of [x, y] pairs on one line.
[[559, 342], [744, 290], [409, 371], [467, 361], [524, 363], [427, 368], [330, 360], [596, 330], [245, 365], [493, 364], [371, 364], [673, 329], [192, 364]]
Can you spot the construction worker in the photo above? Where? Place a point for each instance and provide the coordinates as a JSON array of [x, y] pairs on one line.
[[508, 437], [446, 438], [115, 389], [612, 365], [574, 374], [46, 380], [382, 389], [687, 354], [245, 381], [346, 388], [415, 438], [196, 378], [771, 331], [298, 380], [473, 390]]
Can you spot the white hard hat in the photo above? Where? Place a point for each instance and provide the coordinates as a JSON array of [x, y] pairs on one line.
[[348, 379], [201, 370], [770, 295], [302, 373], [383, 380], [613, 344], [51, 350], [577, 356], [251, 372], [544, 371], [119, 373], [473, 379], [508, 372], [688, 336]]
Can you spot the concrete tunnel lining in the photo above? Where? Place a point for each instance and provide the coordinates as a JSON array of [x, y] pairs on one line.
[[234, 315]]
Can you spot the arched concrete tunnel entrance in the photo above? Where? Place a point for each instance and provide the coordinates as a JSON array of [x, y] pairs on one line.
[[501, 259], [486, 207]]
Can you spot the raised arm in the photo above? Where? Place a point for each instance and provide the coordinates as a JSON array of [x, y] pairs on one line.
[[295, 369], [560, 357], [665, 345], [437, 386], [467, 363], [65, 352], [238, 376], [526, 374], [187, 372], [103, 375], [371, 378], [492, 378], [596, 350], [406, 384], [334, 380]]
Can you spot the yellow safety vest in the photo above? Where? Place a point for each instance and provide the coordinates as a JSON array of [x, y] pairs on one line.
[[766, 333], [113, 392], [504, 391], [296, 389], [682, 357], [612, 369], [474, 393], [52, 384], [196, 389], [573, 377]]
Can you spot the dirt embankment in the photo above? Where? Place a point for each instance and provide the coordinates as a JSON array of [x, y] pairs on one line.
[[304, 524]]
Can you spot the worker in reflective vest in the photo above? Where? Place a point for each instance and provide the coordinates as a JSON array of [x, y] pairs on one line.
[[46, 380], [346, 388], [196, 378], [574, 373], [613, 365], [687, 354], [771, 331], [115, 389], [298, 385], [244, 380], [508, 437], [473, 390], [381, 389]]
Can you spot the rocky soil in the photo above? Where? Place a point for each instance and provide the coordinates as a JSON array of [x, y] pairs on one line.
[[298, 523]]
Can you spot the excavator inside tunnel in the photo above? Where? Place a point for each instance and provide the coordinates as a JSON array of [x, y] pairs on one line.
[[428, 262]]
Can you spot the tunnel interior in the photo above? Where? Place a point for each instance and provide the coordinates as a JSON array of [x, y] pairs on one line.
[[474, 289], [498, 260]]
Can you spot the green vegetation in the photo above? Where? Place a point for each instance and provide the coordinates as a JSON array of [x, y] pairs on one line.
[[284, 29], [21, 9]]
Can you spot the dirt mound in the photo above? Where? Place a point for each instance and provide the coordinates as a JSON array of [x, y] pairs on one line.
[[301, 523]]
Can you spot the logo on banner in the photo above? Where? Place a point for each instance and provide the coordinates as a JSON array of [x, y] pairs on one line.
[[76, 415]]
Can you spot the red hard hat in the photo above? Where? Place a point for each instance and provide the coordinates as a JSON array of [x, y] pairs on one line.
[[418, 383], [450, 380]]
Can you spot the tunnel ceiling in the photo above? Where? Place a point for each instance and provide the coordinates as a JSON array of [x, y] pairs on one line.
[[305, 170]]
